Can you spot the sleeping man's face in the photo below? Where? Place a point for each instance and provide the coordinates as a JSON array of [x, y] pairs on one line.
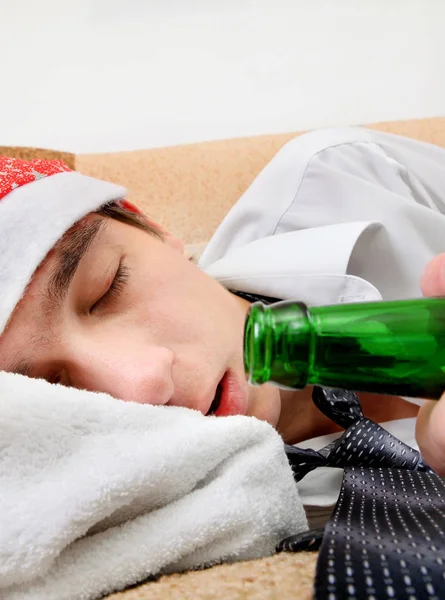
[[136, 319]]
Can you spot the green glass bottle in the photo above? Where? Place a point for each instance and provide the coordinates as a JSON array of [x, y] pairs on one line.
[[395, 348]]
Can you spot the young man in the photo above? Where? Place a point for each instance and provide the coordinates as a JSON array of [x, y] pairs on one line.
[[96, 296]]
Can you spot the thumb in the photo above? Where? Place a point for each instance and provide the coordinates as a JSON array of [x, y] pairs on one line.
[[432, 282], [430, 426]]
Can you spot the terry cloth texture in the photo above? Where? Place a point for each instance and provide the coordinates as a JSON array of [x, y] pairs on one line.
[[98, 494]]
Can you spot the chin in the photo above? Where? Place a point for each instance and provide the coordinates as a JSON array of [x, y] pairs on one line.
[[265, 404]]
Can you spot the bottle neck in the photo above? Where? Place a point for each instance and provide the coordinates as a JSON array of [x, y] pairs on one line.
[[273, 338], [394, 348]]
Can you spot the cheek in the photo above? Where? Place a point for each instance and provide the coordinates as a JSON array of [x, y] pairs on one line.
[[171, 302], [265, 403], [179, 306]]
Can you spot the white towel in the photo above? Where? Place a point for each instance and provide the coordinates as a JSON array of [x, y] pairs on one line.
[[97, 494]]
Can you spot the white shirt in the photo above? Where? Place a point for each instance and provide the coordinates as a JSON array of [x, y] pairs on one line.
[[338, 215]]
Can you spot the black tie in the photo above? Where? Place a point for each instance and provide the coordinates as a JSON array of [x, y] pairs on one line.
[[386, 536], [364, 443]]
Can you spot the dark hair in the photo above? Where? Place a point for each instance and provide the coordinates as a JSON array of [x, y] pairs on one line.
[[119, 213]]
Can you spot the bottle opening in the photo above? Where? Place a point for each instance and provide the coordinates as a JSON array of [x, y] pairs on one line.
[[257, 342]]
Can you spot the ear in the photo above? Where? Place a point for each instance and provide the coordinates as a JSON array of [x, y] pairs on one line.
[[169, 238]]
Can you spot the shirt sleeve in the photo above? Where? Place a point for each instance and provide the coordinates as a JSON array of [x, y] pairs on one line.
[[362, 181], [341, 176]]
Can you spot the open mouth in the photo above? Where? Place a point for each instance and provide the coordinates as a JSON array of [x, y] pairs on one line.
[[216, 400]]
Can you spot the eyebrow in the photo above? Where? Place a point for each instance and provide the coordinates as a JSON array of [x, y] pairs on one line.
[[71, 252]]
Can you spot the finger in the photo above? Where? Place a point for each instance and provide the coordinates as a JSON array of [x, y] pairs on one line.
[[430, 424], [430, 427], [432, 282]]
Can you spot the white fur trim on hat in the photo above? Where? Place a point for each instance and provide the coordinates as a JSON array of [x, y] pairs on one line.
[[33, 217]]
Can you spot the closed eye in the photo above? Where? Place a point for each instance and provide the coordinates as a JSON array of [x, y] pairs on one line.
[[116, 287]]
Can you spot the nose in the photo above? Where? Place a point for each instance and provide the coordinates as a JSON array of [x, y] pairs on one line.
[[142, 375]]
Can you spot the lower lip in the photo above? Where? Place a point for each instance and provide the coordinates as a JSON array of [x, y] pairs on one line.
[[233, 397]]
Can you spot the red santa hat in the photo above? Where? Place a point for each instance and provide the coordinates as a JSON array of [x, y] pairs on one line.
[[39, 201]]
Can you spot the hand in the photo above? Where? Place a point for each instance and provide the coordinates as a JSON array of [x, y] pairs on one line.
[[430, 427]]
